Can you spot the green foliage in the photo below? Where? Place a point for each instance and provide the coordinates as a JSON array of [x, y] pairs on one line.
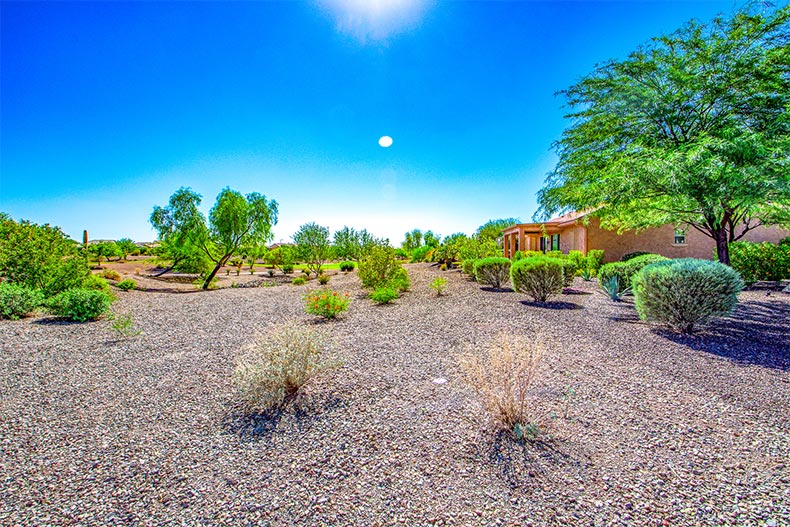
[[323, 279], [276, 369], [611, 287], [538, 277], [379, 267], [80, 304], [578, 258], [586, 274], [299, 280], [234, 221], [400, 280], [126, 246], [439, 285], [97, 283], [40, 257], [104, 250], [18, 301], [493, 271], [127, 285], [492, 230], [475, 248], [468, 267], [624, 271], [287, 268], [760, 261], [123, 325], [351, 244], [384, 295], [692, 128], [347, 267], [595, 259], [312, 242], [685, 292], [569, 269], [422, 254], [630, 256], [326, 303]]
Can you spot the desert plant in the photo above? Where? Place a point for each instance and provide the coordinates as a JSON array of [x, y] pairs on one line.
[[468, 267], [384, 295], [611, 288], [626, 270], [400, 281], [439, 285], [299, 280], [347, 266], [493, 271], [685, 292], [586, 274], [381, 268], [760, 261], [569, 269], [80, 304], [323, 279], [17, 301], [123, 325], [276, 370], [326, 303], [287, 268], [111, 274], [503, 377], [631, 256], [127, 285], [594, 259], [578, 258], [270, 272], [96, 282], [238, 263], [538, 277]]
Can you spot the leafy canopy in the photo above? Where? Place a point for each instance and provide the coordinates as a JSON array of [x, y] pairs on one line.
[[312, 242], [691, 128]]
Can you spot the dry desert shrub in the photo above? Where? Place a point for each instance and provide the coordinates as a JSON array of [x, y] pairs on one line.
[[503, 376], [275, 370]]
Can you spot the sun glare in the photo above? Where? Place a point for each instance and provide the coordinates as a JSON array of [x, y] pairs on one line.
[[374, 20], [385, 141]]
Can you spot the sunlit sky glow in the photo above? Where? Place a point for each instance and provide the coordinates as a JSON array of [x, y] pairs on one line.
[[107, 108]]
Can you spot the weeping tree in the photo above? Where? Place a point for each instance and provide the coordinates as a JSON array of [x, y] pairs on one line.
[[691, 129], [235, 220]]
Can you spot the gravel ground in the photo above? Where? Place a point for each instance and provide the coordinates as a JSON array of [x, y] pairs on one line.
[[661, 429]]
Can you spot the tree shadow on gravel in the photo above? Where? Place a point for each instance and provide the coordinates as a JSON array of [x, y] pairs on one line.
[[60, 321], [553, 305], [266, 424], [531, 463], [496, 289], [756, 333]]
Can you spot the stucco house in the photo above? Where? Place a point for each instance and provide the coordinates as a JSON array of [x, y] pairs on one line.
[[574, 232]]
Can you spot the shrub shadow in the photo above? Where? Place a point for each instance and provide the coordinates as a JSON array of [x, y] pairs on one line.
[[552, 305], [497, 289], [755, 333], [264, 425], [60, 321], [526, 463], [573, 291]]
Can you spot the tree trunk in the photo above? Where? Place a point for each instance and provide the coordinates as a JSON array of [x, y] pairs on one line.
[[213, 273], [722, 245]]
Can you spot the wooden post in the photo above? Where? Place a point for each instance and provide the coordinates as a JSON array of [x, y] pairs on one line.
[[85, 238]]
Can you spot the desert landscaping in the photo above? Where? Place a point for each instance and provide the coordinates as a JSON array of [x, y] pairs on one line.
[[641, 426]]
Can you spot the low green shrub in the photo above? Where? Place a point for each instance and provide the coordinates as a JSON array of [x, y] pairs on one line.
[[287, 268], [97, 283], [111, 274], [624, 271], [123, 325], [595, 260], [630, 256], [17, 301], [422, 254], [493, 271], [127, 285], [80, 304], [685, 292], [468, 267], [586, 274], [299, 280], [400, 281], [569, 269], [439, 285], [538, 277], [323, 279], [384, 295], [273, 373], [578, 259], [379, 267], [554, 254], [761, 261], [326, 303], [347, 266], [611, 288]]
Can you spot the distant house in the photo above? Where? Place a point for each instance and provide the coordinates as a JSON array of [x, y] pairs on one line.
[[571, 233]]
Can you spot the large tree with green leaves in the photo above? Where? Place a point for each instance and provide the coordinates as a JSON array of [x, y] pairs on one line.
[[690, 129], [313, 246], [235, 220], [492, 229]]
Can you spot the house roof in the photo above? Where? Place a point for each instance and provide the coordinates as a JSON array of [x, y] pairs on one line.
[[560, 221]]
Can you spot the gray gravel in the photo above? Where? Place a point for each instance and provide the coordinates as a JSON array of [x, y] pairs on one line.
[[662, 430]]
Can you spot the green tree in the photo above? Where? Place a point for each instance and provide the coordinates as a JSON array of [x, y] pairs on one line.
[[348, 244], [312, 242], [235, 220], [690, 129], [413, 239], [492, 229], [126, 246], [40, 257], [180, 226], [104, 250]]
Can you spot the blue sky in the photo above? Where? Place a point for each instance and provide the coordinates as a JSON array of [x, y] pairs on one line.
[[108, 108]]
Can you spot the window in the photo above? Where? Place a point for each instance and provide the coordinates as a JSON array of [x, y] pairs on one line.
[[680, 237], [555, 242]]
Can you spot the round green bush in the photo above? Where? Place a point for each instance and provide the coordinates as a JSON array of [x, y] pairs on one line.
[[299, 280], [18, 301], [400, 281], [625, 271], [631, 256], [493, 271], [685, 292], [127, 284], [346, 267], [80, 304], [384, 295], [569, 268], [538, 277], [468, 267]]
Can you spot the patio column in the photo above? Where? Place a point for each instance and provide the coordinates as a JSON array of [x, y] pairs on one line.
[[521, 241]]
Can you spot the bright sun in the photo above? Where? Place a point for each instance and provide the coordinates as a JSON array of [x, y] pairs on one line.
[[385, 141]]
